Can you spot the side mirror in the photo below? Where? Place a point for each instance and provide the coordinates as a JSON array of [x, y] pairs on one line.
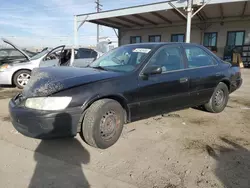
[[153, 69]]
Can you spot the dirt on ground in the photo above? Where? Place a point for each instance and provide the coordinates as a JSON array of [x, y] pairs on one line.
[[184, 149]]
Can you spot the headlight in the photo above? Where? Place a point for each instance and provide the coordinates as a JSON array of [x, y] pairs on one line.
[[4, 67], [48, 103]]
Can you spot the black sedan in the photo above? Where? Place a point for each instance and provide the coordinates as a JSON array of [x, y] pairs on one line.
[[127, 84]]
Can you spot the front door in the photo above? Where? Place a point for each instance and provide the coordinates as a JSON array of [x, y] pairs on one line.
[[163, 92]]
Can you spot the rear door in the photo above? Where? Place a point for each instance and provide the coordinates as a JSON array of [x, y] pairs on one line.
[[166, 91], [202, 71]]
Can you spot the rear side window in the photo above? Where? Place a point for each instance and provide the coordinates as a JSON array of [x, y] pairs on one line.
[[198, 57], [93, 54], [84, 54]]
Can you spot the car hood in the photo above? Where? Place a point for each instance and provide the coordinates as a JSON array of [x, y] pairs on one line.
[[48, 80], [14, 46], [12, 62]]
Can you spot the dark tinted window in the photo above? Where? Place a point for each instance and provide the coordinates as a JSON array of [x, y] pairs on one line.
[[210, 39], [169, 58], [178, 38], [82, 53], [93, 54], [197, 57], [85, 53], [155, 38], [235, 38], [135, 39]]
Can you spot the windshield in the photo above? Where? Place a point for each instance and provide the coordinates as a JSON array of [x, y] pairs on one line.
[[123, 59], [39, 55]]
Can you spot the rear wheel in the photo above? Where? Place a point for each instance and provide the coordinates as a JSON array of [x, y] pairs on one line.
[[219, 99], [103, 123], [21, 78]]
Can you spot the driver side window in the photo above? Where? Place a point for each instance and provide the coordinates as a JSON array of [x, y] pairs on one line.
[[169, 58]]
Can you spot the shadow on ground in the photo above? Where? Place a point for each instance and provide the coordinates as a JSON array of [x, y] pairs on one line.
[[233, 164], [59, 161]]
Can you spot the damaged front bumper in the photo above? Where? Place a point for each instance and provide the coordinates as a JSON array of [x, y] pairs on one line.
[[44, 124]]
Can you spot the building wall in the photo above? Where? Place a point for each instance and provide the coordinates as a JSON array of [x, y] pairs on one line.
[[196, 34]]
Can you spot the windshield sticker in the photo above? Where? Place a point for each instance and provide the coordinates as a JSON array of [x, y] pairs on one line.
[[142, 50]]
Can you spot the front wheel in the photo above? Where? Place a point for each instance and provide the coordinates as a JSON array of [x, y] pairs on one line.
[[21, 78], [103, 123], [219, 99]]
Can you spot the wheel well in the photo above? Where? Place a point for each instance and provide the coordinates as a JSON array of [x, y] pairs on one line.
[[122, 103], [227, 82], [12, 79], [119, 99]]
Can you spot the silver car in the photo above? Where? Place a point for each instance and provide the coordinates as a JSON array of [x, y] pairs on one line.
[[71, 56], [18, 73]]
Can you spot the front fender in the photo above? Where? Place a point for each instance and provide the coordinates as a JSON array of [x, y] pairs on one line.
[[117, 97]]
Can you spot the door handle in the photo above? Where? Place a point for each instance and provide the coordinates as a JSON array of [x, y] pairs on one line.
[[183, 80]]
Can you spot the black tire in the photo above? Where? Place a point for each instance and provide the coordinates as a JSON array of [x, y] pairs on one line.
[[216, 104], [17, 75], [101, 112]]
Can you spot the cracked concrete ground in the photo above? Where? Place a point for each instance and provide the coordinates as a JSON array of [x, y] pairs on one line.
[[184, 149]]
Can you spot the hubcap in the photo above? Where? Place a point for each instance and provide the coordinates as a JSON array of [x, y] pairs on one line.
[[219, 98], [23, 79], [108, 125]]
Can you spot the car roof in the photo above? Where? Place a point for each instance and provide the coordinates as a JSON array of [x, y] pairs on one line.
[[161, 44], [76, 47]]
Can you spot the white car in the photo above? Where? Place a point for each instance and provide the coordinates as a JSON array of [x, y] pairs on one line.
[[70, 56], [18, 73]]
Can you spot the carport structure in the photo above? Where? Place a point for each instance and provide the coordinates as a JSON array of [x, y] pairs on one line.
[[167, 14]]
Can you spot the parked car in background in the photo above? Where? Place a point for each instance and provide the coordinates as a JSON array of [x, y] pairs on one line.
[[76, 57], [71, 56], [129, 83], [13, 55], [18, 73]]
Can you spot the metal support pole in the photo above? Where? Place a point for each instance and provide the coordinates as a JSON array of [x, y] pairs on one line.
[[75, 31], [116, 33], [98, 33], [98, 9], [189, 20]]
